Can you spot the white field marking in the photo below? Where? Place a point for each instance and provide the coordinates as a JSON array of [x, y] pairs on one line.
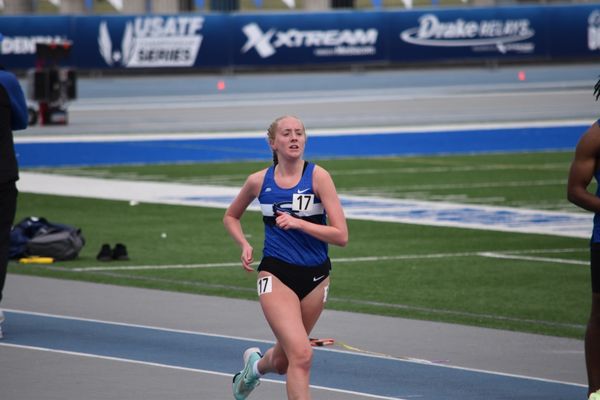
[[431, 213], [22, 139], [416, 361], [492, 254], [433, 166], [493, 218], [237, 177], [455, 313], [153, 267], [404, 188], [533, 251], [354, 301], [451, 169], [237, 264], [505, 254]]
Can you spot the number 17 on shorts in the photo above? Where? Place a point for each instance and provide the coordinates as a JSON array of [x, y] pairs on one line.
[[265, 285]]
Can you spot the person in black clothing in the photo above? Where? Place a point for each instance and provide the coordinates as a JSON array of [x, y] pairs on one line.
[[13, 116]]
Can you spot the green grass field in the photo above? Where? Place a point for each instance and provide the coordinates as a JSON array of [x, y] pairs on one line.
[[391, 269]]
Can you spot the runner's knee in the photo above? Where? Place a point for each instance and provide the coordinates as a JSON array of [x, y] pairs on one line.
[[302, 357]]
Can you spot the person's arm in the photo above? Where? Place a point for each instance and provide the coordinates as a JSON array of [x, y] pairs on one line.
[[19, 116], [19, 113], [336, 232], [582, 170], [234, 213]]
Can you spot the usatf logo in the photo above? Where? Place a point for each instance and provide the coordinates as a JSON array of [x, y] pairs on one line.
[[331, 42], [498, 35], [154, 42]]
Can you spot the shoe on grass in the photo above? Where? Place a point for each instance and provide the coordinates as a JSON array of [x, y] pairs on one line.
[[120, 252], [105, 254]]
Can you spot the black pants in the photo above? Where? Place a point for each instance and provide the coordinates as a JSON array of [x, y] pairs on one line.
[[8, 208]]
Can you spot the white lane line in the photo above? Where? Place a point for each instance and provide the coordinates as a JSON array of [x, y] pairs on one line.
[[358, 354], [215, 102], [449, 128], [202, 371], [131, 361]]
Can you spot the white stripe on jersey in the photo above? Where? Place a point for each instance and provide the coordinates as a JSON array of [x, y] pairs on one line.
[[316, 209]]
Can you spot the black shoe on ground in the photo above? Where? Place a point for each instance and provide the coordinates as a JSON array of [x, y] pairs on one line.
[[120, 252], [105, 253]]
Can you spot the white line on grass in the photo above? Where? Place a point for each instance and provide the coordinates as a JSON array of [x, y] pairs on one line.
[[493, 254], [510, 254], [529, 258], [237, 264], [153, 267]]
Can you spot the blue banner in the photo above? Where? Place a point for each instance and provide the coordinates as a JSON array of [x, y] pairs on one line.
[[17, 49], [491, 33], [152, 41], [575, 31], [317, 38], [231, 40]]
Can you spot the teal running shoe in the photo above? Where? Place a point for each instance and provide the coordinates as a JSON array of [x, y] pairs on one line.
[[595, 395], [245, 381]]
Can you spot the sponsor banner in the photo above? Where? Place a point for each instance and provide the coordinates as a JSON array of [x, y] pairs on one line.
[[575, 31], [458, 34], [20, 35], [316, 38], [302, 39], [593, 31], [151, 41]]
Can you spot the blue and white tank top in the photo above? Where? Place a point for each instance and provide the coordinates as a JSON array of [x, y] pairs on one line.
[[292, 246]]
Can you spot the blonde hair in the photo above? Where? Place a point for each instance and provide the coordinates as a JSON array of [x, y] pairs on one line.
[[272, 132]]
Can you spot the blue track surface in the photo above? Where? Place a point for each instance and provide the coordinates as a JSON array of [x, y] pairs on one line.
[[74, 153], [332, 369]]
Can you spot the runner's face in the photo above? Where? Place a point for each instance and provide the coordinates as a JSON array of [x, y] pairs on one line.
[[290, 138]]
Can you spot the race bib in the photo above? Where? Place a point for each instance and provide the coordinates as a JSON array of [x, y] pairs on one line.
[[265, 285], [302, 202]]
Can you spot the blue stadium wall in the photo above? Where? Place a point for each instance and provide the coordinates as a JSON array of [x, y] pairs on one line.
[[239, 40]]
